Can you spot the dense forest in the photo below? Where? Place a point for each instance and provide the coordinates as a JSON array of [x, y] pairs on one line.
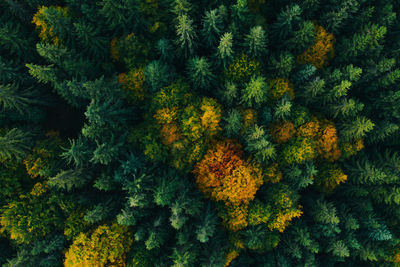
[[199, 133]]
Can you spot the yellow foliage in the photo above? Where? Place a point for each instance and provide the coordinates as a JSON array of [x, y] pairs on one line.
[[132, 82], [114, 50], [249, 118], [191, 124], [196, 152], [39, 161], [259, 213], [309, 129], [107, 246], [211, 116], [327, 142], [36, 161], [166, 115], [234, 217], [350, 149], [321, 51], [151, 9], [278, 87], [299, 151], [272, 174], [172, 95], [283, 131], [243, 68], [329, 177], [223, 175], [39, 189], [395, 258], [232, 254], [46, 32], [170, 133], [282, 220]]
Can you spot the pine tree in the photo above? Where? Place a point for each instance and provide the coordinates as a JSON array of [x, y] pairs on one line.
[[212, 27], [200, 73], [207, 227], [232, 123], [283, 109], [357, 128], [186, 35], [11, 40], [12, 98], [225, 52], [257, 144], [287, 19], [254, 94], [282, 65], [91, 39], [165, 49], [69, 180], [256, 41], [78, 153], [158, 75], [14, 144]]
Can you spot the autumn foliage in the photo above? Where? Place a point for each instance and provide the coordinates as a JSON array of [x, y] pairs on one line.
[[330, 176], [106, 246], [327, 143], [46, 31], [283, 131], [243, 68], [133, 84], [224, 175], [279, 87], [321, 51]]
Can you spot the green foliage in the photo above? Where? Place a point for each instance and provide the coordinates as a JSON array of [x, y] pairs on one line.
[[30, 217], [357, 128], [68, 180], [157, 75], [186, 35], [259, 145], [200, 74], [233, 123], [212, 26], [256, 41], [14, 144], [286, 21], [225, 49], [199, 133], [11, 98], [254, 94]]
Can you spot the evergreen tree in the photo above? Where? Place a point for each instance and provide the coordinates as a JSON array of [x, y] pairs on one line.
[[256, 41], [186, 35], [14, 144], [225, 52], [199, 70]]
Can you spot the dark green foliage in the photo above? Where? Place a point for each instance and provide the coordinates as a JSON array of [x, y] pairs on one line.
[[256, 41], [304, 92], [200, 73], [14, 144]]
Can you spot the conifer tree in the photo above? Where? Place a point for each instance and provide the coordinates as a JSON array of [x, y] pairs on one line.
[[200, 73], [256, 41], [14, 144], [186, 35]]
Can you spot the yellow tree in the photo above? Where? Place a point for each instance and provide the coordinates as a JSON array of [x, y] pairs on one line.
[[321, 51], [106, 246]]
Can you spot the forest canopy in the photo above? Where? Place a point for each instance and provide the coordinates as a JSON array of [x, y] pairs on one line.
[[199, 133]]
